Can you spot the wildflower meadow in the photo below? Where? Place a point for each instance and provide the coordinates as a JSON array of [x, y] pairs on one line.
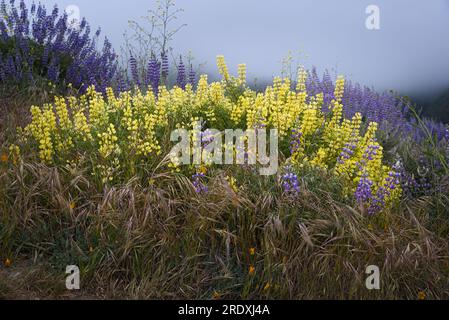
[[89, 176]]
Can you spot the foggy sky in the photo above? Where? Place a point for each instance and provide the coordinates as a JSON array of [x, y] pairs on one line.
[[410, 53]]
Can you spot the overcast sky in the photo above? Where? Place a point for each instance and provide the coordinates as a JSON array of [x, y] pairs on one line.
[[410, 52]]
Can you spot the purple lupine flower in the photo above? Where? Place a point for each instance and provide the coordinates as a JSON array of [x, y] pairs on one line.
[[407, 182], [423, 171], [295, 142], [347, 152], [290, 184], [192, 75], [198, 184], [207, 136], [164, 66], [45, 55], [424, 185], [378, 201], [363, 193], [154, 73], [122, 84], [53, 71], [134, 72], [393, 180], [181, 80]]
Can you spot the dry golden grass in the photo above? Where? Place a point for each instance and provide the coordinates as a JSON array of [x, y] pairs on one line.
[[165, 241]]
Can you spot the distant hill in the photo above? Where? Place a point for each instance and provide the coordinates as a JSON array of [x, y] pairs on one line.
[[438, 108]]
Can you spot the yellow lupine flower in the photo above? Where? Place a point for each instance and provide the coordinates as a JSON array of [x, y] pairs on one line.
[[63, 114], [232, 183], [302, 77], [81, 126], [216, 93], [108, 142], [320, 159], [202, 91], [242, 74], [223, 68], [339, 89]]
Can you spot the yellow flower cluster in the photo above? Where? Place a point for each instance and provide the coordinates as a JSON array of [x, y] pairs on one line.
[[110, 130], [223, 68], [339, 89], [108, 142], [232, 183], [41, 128], [242, 74], [121, 131]]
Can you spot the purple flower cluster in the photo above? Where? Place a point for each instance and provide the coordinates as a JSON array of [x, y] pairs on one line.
[[157, 72], [424, 172], [134, 72], [198, 184], [39, 44], [290, 184], [207, 136], [386, 108], [364, 193], [422, 182], [347, 152], [192, 76], [420, 132], [376, 201], [374, 106], [181, 81], [409, 184], [368, 155], [295, 141]]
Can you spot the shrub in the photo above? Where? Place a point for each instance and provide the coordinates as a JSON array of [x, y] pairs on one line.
[[118, 137]]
